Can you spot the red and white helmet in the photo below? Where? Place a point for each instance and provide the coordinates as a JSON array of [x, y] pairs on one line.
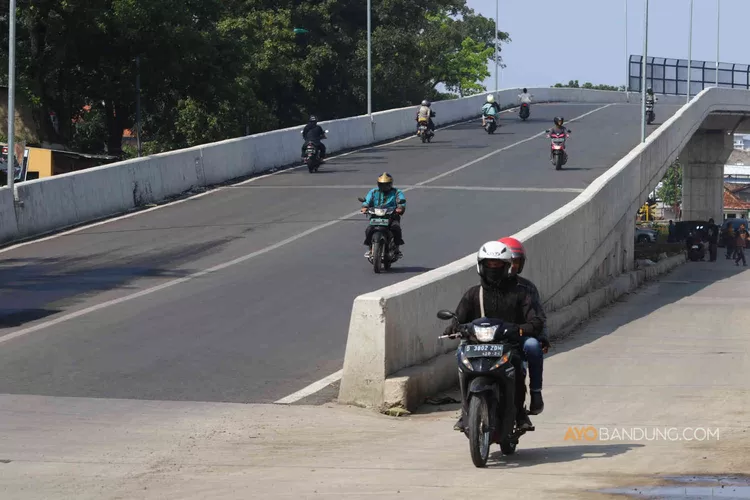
[[494, 263], [518, 253]]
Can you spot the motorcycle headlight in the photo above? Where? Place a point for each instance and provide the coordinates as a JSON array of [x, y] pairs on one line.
[[380, 211], [485, 333]]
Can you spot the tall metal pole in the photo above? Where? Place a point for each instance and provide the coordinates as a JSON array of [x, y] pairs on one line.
[[718, 37], [11, 94], [643, 71], [369, 59], [690, 51], [497, 42], [627, 59], [138, 103]]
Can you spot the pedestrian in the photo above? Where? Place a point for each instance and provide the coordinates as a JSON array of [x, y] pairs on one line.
[[730, 238], [712, 235], [670, 237], [740, 243]]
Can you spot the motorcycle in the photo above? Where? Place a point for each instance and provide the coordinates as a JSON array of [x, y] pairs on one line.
[[697, 252], [650, 116], [489, 124], [424, 131], [525, 111], [484, 358], [558, 155], [382, 248], [312, 155]]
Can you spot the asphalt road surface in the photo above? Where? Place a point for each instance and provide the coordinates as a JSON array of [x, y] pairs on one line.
[[279, 261]]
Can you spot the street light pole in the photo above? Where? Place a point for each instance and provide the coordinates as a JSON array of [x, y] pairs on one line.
[[718, 37], [643, 71], [497, 41], [690, 50], [11, 94], [627, 59], [138, 103], [369, 59]]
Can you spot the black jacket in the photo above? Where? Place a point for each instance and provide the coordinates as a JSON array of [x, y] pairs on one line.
[[517, 302], [313, 133], [712, 233]]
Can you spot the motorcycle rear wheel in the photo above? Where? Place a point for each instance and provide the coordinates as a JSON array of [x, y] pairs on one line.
[[479, 430]]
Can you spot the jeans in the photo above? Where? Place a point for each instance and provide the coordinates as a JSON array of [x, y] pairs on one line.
[[532, 352], [740, 252]]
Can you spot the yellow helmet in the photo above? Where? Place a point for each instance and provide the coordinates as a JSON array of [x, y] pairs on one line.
[[385, 178]]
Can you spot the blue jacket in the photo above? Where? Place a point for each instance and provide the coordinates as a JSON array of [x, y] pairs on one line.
[[376, 198]]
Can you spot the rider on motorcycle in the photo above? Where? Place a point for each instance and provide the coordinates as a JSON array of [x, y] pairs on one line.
[[650, 96], [504, 295], [385, 196], [490, 108], [425, 112], [314, 133], [559, 128], [525, 97]]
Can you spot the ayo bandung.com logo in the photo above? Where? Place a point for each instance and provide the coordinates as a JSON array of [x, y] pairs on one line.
[[591, 433]]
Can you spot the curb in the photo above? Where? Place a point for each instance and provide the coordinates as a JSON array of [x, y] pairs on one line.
[[409, 387]]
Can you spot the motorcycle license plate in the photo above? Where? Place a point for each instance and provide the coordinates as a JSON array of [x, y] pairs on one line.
[[484, 350], [379, 222]]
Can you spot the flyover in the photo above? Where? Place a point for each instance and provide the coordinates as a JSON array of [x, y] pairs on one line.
[[244, 293], [581, 257]]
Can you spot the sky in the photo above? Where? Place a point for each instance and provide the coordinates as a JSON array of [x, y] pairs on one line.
[[584, 40]]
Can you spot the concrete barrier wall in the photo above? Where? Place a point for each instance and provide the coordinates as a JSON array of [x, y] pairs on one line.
[[55, 203], [590, 240]]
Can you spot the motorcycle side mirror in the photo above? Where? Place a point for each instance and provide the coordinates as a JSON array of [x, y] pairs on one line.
[[361, 199], [445, 314], [547, 131], [402, 202]]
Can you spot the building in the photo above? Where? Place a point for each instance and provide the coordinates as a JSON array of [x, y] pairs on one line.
[[736, 200], [742, 142]]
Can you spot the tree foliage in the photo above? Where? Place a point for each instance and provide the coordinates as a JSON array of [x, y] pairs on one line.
[[670, 191], [573, 84], [215, 69]]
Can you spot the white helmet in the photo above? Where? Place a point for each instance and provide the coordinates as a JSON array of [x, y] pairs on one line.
[[493, 275], [490, 98]]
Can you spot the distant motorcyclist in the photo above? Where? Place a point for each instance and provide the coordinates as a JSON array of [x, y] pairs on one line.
[[525, 97], [504, 295], [650, 98], [425, 112], [490, 108], [559, 127], [385, 196], [314, 133]]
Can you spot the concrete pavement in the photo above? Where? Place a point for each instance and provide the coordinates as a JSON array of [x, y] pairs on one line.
[[673, 355]]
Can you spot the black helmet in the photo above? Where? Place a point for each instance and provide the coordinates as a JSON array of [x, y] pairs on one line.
[[649, 90], [313, 119], [559, 120], [525, 90]]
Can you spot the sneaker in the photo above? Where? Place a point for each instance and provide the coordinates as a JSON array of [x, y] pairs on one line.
[[523, 422], [459, 426], [368, 254], [537, 403]]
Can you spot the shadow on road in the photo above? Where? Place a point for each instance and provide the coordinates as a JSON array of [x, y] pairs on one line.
[[529, 457]]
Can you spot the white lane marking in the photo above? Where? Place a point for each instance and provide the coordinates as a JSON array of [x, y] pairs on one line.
[[225, 265], [410, 187], [60, 232], [311, 389]]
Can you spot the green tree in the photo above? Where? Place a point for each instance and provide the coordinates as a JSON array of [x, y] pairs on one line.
[[670, 191], [467, 68], [573, 84]]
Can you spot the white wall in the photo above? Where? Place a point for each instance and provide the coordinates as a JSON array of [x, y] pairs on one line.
[[589, 239]]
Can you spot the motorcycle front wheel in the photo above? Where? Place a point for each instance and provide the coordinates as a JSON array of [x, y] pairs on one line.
[[377, 254], [479, 430]]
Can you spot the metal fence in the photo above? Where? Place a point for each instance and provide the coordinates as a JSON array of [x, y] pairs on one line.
[[669, 76]]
